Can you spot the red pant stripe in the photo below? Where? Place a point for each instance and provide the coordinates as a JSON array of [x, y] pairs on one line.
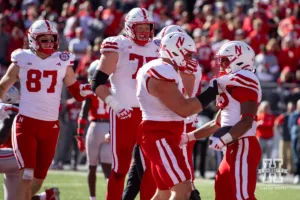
[[245, 169], [166, 163], [173, 160], [15, 144]]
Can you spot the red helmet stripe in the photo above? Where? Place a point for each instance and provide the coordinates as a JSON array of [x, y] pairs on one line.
[[164, 31], [144, 13], [48, 25]]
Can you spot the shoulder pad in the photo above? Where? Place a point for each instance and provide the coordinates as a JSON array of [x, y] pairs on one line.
[[164, 72], [112, 44], [16, 55], [242, 78]]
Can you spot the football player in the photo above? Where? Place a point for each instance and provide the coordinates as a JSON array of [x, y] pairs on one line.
[[239, 96], [97, 147], [122, 57], [164, 107], [41, 71], [191, 77], [8, 162]]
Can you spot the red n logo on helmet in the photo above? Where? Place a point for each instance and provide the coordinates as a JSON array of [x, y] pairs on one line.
[[179, 42], [238, 50]]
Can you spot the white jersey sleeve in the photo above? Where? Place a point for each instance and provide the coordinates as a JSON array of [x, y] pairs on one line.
[[242, 78], [112, 44], [164, 72], [17, 56]]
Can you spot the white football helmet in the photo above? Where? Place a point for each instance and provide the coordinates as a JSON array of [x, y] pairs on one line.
[[39, 28], [234, 56], [169, 29], [138, 16], [12, 96], [91, 70], [175, 46]]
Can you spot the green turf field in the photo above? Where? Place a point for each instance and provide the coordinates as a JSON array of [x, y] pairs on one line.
[[73, 186]]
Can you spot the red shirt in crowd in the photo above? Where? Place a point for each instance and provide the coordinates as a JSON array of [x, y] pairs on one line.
[[289, 57], [256, 39], [114, 16], [205, 54], [265, 126]]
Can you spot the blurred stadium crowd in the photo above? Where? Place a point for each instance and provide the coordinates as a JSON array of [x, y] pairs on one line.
[[271, 27]]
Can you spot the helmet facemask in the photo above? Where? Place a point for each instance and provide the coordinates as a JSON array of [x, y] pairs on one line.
[[141, 35], [135, 28], [46, 30], [46, 45]]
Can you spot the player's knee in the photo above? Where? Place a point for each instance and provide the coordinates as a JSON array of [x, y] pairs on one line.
[[182, 190], [27, 174], [162, 194]]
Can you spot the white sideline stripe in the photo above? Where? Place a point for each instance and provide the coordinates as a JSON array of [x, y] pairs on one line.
[[186, 158], [142, 159], [19, 158], [245, 169], [173, 159], [111, 138], [237, 170], [166, 163], [114, 138]]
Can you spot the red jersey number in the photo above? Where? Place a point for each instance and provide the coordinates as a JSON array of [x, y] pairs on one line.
[[140, 60], [34, 76]]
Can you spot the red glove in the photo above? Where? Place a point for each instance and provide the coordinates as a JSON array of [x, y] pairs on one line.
[[80, 143]]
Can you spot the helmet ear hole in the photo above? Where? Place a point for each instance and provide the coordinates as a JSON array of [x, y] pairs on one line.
[[239, 64]]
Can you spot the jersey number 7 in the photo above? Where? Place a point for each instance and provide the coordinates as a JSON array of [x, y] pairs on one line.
[[140, 60], [34, 76]]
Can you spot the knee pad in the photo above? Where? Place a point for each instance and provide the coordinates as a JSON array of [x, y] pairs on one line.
[[27, 174]]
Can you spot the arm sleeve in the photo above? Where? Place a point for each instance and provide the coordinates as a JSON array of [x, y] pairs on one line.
[[279, 119], [164, 73], [110, 44], [238, 93]]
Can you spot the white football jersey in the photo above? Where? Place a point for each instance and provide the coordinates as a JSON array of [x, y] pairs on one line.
[[41, 82], [131, 58], [196, 90], [152, 108], [230, 108]]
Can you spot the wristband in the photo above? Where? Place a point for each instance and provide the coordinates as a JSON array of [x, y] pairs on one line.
[[227, 138], [191, 136], [112, 102]]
